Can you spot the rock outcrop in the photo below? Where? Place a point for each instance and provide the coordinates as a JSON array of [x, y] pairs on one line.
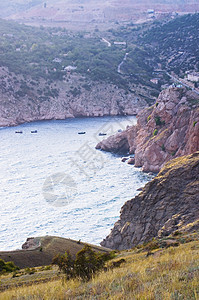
[[164, 131], [169, 203], [25, 100]]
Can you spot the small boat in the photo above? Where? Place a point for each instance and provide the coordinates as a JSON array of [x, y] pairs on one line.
[[102, 134], [119, 130], [33, 131], [82, 132], [18, 131]]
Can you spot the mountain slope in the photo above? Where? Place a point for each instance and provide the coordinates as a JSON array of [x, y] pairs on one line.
[[167, 204], [92, 10]]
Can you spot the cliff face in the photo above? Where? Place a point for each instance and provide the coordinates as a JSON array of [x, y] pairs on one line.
[[164, 131], [25, 100], [169, 203]]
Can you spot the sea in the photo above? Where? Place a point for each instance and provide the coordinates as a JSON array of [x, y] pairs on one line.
[[54, 182]]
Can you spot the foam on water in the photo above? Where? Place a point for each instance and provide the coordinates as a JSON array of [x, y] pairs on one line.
[[100, 182]]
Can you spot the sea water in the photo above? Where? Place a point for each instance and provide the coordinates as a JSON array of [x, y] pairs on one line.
[[54, 181]]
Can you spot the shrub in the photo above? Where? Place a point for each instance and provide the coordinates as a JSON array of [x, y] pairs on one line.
[[173, 153], [65, 264], [86, 264], [30, 271], [7, 267], [163, 147], [158, 121], [152, 245], [149, 118], [194, 123], [155, 132]]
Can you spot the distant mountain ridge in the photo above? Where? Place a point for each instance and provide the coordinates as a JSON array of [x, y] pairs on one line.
[[90, 10]]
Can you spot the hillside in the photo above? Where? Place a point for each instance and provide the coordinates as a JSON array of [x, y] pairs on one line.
[[90, 74], [91, 12], [163, 269], [167, 204], [39, 251], [54, 74], [175, 44]]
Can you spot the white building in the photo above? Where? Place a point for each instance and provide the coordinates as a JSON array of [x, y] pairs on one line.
[[194, 77]]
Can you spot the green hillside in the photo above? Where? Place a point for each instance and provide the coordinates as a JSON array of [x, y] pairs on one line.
[[175, 43]]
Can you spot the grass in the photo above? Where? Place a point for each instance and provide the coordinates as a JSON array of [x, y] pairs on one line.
[[163, 273]]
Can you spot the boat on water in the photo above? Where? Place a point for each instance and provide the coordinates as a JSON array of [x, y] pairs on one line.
[[82, 132], [19, 131], [102, 134], [33, 131]]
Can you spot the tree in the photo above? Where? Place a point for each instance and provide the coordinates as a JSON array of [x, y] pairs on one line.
[[65, 263]]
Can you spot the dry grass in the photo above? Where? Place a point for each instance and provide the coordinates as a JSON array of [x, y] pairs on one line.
[[171, 273]]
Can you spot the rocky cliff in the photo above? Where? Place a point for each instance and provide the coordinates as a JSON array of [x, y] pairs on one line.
[[169, 203], [168, 129], [25, 100]]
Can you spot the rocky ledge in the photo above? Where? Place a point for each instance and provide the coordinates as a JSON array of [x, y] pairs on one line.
[[169, 203], [168, 129]]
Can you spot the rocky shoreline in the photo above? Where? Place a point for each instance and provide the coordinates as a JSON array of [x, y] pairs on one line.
[[26, 100], [168, 129], [168, 204]]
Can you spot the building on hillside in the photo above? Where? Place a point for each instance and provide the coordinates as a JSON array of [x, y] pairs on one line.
[[120, 43], [150, 11], [155, 80], [194, 77], [70, 68], [57, 60]]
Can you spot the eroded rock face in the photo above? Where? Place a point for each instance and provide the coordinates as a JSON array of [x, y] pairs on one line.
[[170, 202], [167, 130], [31, 243], [25, 100]]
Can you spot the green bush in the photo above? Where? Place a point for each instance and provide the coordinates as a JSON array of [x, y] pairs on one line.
[[65, 264], [163, 148], [7, 267], [85, 265], [155, 132], [194, 123]]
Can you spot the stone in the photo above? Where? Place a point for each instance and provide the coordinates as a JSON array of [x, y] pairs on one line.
[[169, 203], [177, 132], [124, 159], [131, 161]]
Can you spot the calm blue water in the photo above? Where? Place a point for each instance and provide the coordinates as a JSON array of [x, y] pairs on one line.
[[56, 183]]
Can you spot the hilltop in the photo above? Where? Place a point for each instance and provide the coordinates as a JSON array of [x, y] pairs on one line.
[[39, 251]]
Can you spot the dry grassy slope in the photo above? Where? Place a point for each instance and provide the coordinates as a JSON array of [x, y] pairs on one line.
[[171, 273], [50, 247]]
